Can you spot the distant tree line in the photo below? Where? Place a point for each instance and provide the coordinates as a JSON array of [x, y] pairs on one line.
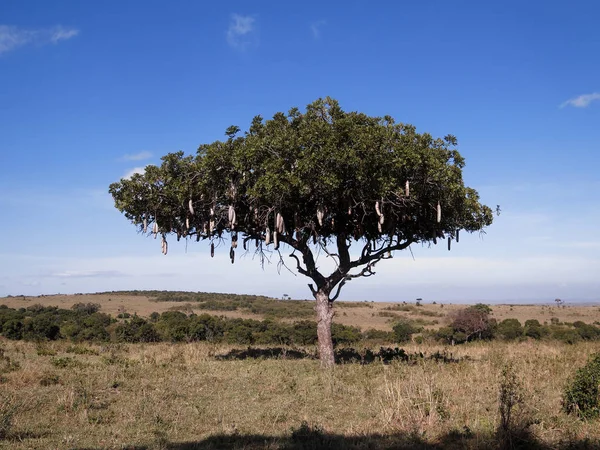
[[476, 323], [84, 322]]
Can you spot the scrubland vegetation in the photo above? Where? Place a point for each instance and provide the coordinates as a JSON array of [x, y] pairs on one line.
[[79, 378]]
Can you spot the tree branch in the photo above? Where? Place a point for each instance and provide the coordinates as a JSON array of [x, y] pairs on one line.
[[298, 266], [328, 253], [368, 256], [339, 288]]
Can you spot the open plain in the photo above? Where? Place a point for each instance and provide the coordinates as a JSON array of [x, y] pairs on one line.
[[62, 394]]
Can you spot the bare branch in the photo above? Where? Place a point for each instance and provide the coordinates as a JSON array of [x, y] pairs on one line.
[[298, 266], [329, 254], [339, 288], [282, 263]]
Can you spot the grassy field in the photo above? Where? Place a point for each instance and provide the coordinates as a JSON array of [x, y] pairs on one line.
[[60, 395], [376, 315]]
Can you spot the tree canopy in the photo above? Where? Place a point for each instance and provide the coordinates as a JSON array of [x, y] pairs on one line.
[[322, 178]]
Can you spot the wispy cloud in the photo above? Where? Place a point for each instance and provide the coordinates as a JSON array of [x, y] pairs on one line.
[[242, 32], [62, 34], [90, 274], [583, 101], [12, 38], [315, 28], [133, 171], [136, 156]]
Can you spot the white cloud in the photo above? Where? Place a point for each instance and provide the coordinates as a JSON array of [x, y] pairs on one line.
[[133, 171], [189, 267], [582, 101], [136, 156], [241, 32], [12, 38], [62, 34], [315, 28]]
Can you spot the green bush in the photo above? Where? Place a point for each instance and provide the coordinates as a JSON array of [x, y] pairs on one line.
[[582, 394], [13, 329], [344, 335], [403, 331], [86, 308], [41, 327], [378, 335], [586, 331], [445, 334], [136, 330], [533, 329], [566, 335], [304, 332], [509, 329], [206, 328]]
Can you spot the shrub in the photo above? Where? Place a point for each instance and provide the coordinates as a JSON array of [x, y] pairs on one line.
[[582, 394], [41, 327], [482, 308], [274, 333], [305, 332], [586, 331], [445, 334], [206, 328], [240, 334], [474, 322], [136, 330], [13, 329], [378, 335], [533, 329], [344, 335], [403, 331], [566, 335], [515, 417], [86, 308], [510, 329]]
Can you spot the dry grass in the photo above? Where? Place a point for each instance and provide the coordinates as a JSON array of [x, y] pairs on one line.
[[162, 395]]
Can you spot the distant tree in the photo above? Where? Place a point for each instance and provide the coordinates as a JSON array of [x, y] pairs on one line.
[[320, 181], [558, 302]]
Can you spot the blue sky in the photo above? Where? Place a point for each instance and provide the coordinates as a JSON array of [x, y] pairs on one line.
[[91, 91]]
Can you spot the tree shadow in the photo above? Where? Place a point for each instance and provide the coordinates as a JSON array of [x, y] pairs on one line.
[[265, 353], [314, 438], [345, 355]]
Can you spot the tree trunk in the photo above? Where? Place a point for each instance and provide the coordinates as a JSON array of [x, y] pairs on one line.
[[324, 319]]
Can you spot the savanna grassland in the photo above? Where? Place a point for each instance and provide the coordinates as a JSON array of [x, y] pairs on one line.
[[376, 315], [66, 394]]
